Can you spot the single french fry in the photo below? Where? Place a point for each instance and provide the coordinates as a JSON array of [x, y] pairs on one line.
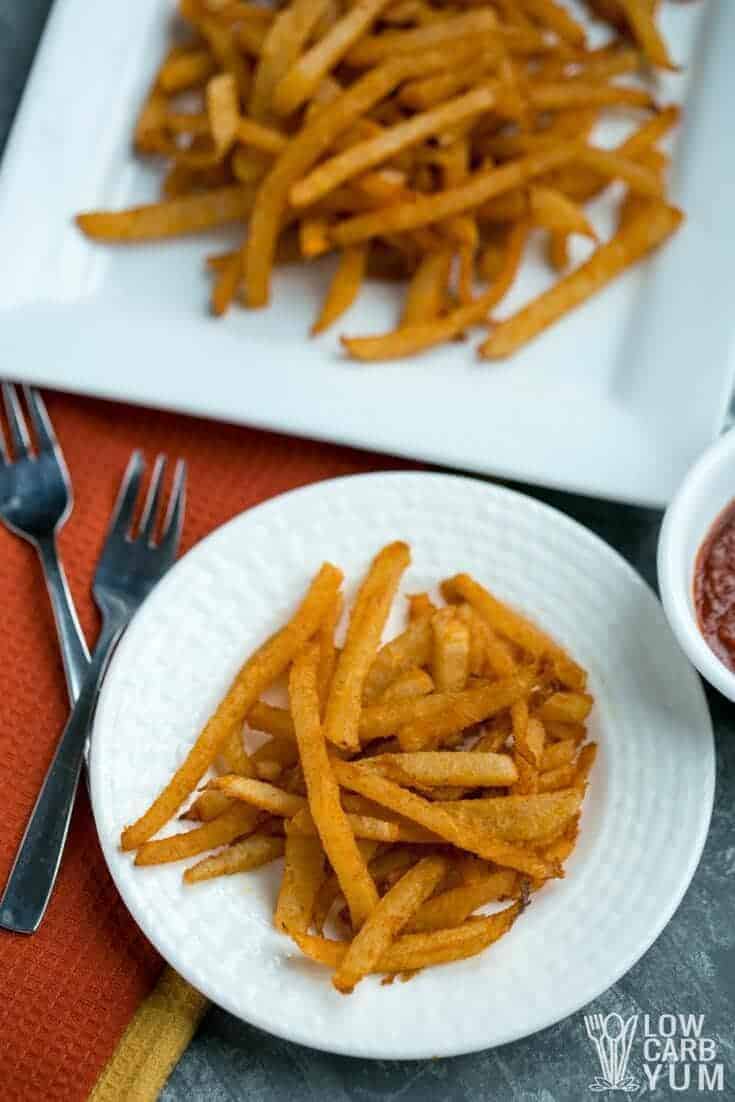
[[433, 767], [304, 76], [264, 138], [413, 951], [557, 19], [461, 830], [258, 672], [408, 685], [226, 284], [514, 627], [223, 111], [450, 651], [411, 648], [558, 251], [344, 288], [250, 853], [566, 708], [271, 720], [232, 823], [391, 914], [367, 620], [479, 188], [452, 907], [391, 141], [302, 877], [577, 93], [314, 236], [520, 818], [556, 212], [323, 793], [461, 710], [171, 218], [259, 794], [184, 70]]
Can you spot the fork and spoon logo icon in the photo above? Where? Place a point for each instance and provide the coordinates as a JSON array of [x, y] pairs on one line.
[[612, 1037]]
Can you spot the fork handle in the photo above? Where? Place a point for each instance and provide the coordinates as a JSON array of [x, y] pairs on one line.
[[74, 652], [33, 875]]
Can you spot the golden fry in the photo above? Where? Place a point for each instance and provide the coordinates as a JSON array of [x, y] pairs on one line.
[[324, 803], [450, 657], [344, 288], [342, 715], [231, 824], [189, 214], [250, 853], [303, 875]]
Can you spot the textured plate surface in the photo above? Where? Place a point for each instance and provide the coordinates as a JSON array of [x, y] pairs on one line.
[[613, 383], [645, 818]]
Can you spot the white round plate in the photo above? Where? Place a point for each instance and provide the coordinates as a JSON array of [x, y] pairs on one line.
[[645, 817]]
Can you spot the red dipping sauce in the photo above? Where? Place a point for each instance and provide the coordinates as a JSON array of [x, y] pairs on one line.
[[714, 587]]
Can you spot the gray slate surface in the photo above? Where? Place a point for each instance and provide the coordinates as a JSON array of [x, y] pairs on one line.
[[690, 969]]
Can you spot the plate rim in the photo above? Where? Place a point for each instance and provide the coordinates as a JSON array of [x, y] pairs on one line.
[[644, 942]]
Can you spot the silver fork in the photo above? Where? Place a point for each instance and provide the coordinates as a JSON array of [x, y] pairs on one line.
[[127, 571], [35, 502]]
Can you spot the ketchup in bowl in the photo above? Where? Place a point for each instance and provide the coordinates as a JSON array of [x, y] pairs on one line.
[[714, 587]]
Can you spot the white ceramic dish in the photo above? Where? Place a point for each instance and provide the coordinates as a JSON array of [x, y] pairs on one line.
[[636, 854], [705, 492], [604, 403]]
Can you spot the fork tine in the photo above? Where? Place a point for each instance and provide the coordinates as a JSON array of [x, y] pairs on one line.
[[16, 422], [175, 514], [150, 509], [41, 421], [122, 515]]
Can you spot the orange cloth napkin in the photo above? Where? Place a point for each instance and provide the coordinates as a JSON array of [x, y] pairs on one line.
[[70, 990]]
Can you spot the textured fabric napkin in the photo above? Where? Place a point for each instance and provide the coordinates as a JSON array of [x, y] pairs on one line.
[[71, 990]]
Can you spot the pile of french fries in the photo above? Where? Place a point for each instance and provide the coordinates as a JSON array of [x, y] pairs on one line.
[[407, 785], [419, 139]]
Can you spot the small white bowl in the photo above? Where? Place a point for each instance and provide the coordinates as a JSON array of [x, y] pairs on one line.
[[707, 489]]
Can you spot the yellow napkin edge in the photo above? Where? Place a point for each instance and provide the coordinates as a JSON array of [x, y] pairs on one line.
[[154, 1041]]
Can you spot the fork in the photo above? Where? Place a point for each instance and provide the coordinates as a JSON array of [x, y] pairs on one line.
[[35, 502], [128, 570]]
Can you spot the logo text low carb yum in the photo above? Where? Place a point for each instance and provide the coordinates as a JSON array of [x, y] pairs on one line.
[[670, 1052]]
